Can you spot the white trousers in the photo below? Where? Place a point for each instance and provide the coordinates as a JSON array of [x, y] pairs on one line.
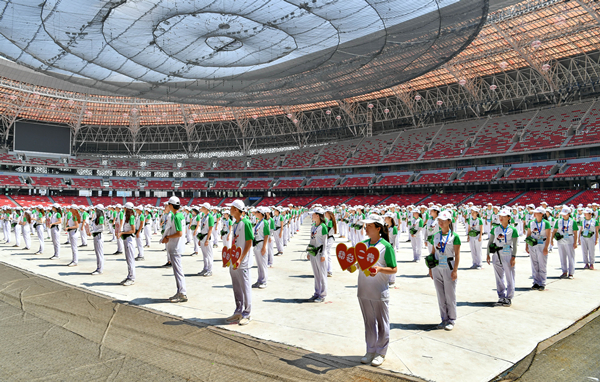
[[445, 288], [539, 264], [376, 317]]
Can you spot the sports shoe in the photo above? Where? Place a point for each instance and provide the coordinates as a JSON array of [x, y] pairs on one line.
[[117, 253], [587, 266], [262, 286], [535, 286], [128, 282], [507, 302], [319, 299], [313, 298], [449, 327], [541, 288], [168, 264], [179, 297], [378, 360], [368, 358], [570, 277], [194, 254], [563, 276], [96, 273], [54, 258], [391, 284], [201, 273], [500, 302], [441, 325], [235, 318], [207, 274], [255, 285], [72, 264], [139, 258], [329, 274], [245, 321]]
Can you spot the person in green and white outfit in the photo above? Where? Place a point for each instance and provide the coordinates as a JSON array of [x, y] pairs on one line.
[[504, 237], [207, 224], [316, 254], [173, 238], [262, 231], [38, 223], [96, 228], [416, 240], [474, 233], [567, 230], [374, 291], [537, 247], [126, 234], [588, 238], [446, 251]]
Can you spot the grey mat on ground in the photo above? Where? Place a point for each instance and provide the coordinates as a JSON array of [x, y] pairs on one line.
[[53, 331]]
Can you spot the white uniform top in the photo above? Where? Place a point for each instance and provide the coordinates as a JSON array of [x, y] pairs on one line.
[[588, 228], [377, 287], [97, 228], [318, 238], [242, 231], [175, 246], [444, 248], [538, 230], [566, 228], [503, 237]]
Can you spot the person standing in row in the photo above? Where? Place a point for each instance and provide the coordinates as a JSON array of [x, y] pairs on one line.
[[269, 240], [539, 231], [140, 223], [504, 251], [175, 242], [240, 270], [54, 226], [194, 227], [373, 292], [588, 238], [474, 233], [96, 229], [278, 233], [85, 226], [119, 220], [72, 230], [126, 235], [38, 224], [16, 223], [567, 230], [226, 229], [207, 225], [26, 229], [416, 240], [331, 230], [446, 250], [261, 235], [316, 254]]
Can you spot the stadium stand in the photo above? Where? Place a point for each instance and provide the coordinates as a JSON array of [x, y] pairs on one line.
[[335, 154], [355, 181], [321, 183], [33, 200], [477, 176], [271, 201], [497, 198], [409, 145], [580, 169], [405, 199], [10, 180], [434, 178], [230, 164], [287, 184], [124, 184], [525, 173], [264, 162], [587, 197], [330, 200], [68, 200], [143, 201], [210, 200], [47, 182], [226, 185], [298, 201], [82, 183], [447, 198], [371, 150], [393, 180], [107, 200], [496, 136], [4, 201], [299, 158], [258, 185], [194, 185], [450, 141], [160, 166], [371, 200], [159, 185], [552, 197]]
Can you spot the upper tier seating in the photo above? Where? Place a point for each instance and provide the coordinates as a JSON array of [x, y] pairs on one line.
[[229, 164], [405, 199], [10, 180], [33, 200], [321, 183], [287, 184], [393, 180], [371, 200], [81, 183], [273, 201], [335, 154], [300, 158], [356, 181], [450, 141], [49, 182], [298, 201], [477, 176], [580, 169], [264, 162], [371, 150], [434, 178], [143, 201], [258, 185], [587, 197], [497, 135], [226, 185], [194, 185], [534, 172], [124, 184], [330, 200], [409, 145], [159, 185], [549, 127]]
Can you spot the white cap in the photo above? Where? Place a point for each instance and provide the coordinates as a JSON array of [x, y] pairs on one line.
[[318, 210], [56, 205], [100, 206], [531, 206], [504, 213], [129, 205], [435, 208], [476, 209], [588, 211], [445, 215], [174, 200], [540, 210], [263, 210], [565, 210], [374, 219], [237, 204], [205, 205]]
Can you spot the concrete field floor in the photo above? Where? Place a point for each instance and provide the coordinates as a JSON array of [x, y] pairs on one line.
[[486, 342]]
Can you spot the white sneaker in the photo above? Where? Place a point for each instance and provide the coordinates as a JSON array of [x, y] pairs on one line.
[[262, 286], [96, 273], [72, 264], [128, 282], [368, 358], [245, 321], [54, 258], [378, 360], [202, 273], [235, 318], [449, 327], [207, 274]]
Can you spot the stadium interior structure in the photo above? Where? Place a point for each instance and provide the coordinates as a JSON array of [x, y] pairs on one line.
[[512, 117]]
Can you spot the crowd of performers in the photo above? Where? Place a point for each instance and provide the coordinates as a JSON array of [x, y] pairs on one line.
[[261, 233]]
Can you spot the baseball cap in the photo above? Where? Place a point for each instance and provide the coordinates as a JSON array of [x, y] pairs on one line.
[[237, 204], [174, 200], [373, 218]]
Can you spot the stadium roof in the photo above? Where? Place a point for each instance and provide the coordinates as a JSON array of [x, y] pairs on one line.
[[235, 53]]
